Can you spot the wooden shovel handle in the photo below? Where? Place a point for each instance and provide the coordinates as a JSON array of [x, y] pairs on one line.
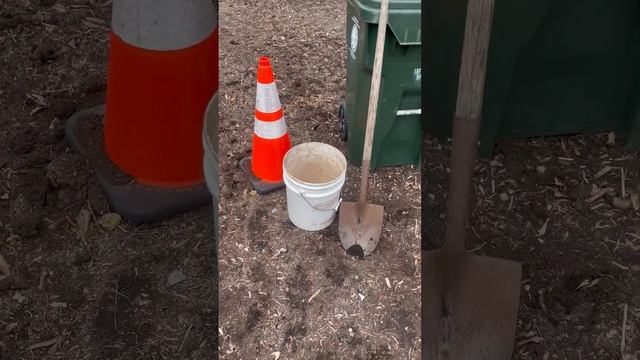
[[373, 102], [466, 123]]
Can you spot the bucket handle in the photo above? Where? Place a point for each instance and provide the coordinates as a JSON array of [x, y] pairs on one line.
[[335, 208]]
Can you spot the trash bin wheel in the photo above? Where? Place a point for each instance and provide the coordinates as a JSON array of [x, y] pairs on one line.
[[342, 122]]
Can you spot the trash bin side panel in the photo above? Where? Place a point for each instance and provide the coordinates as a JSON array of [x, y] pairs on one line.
[[400, 88], [573, 77], [553, 67]]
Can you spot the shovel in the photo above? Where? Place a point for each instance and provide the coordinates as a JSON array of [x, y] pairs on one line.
[[360, 223], [470, 304]]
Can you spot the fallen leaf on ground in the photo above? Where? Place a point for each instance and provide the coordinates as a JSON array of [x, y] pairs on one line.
[[598, 193], [110, 221], [622, 204], [175, 277], [44, 344], [543, 228], [602, 172]]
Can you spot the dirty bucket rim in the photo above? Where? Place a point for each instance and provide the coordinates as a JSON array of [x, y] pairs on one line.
[[310, 185]]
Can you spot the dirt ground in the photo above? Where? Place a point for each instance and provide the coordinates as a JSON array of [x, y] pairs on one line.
[[85, 289], [551, 204], [84, 286], [269, 269]]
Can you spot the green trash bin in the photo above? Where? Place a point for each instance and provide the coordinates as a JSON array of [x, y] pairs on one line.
[[554, 67], [397, 138]]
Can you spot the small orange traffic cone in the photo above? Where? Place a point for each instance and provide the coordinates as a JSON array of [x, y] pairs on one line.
[[163, 69], [270, 141]]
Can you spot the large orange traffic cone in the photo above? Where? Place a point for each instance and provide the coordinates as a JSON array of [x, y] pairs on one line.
[[270, 141], [163, 69]]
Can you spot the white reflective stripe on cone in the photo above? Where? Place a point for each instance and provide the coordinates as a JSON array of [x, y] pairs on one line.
[[267, 99], [164, 24], [270, 129]]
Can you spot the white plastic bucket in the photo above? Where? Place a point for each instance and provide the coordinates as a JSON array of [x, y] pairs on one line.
[[314, 174]]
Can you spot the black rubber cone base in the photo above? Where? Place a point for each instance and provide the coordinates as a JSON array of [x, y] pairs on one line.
[[262, 187], [135, 202]]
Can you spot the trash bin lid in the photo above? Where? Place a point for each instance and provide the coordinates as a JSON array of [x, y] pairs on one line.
[[404, 18]]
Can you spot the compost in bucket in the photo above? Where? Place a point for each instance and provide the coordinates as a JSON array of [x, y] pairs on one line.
[[315, 169]]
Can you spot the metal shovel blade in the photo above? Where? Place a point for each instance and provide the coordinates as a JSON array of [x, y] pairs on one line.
[[360, 233], [471, 306]]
